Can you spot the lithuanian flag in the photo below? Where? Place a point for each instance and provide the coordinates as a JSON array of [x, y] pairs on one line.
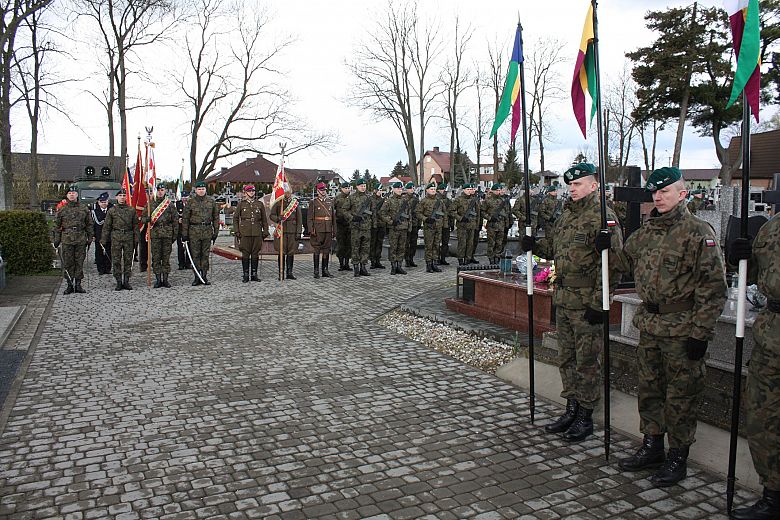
[[585, 74], [510, 99], [746, 31]]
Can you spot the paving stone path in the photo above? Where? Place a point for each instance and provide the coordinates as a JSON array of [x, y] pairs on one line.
[[286, 400]]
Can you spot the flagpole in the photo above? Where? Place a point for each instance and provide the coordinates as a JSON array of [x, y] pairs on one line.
[[741, 307], [529, 274], [148, 225], [604, 229]]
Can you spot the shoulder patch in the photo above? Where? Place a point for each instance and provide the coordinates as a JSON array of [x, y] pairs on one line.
[[709, 242], [611, 223]]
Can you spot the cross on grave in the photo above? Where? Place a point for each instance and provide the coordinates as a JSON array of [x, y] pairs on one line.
[[773, 196], [634, 194]]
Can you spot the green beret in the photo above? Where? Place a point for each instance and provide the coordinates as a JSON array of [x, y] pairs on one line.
[[409, 185], [578, 171], [360, 181], [345, 184], [468, 185], [200, 184], [430, 185], [161, 186], [663, 177], [397, 184], [497, 186], [73, 187]]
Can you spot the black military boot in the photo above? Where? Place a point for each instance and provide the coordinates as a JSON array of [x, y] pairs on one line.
[[325, 262], [356, 269], [255, 262], [767, 508], [410, 262], [675, 468], [245, 270], [582, 427], [435, 267], [343, 264], [399, 269], [69, 289], [205, 280], [649, 455], [443, 260], [157, 281], [196, 281], [473, 260], [290, 260], [316, 266], [118, 283], [392, 268], [564, 421], [379, 264], [78, 287], [428, 267], [126, 283], [165, 281], [373, 265], [363, 271]]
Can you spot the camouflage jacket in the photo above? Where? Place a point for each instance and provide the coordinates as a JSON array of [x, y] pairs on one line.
[[167, 224], [121, 225], [250, 218], [577, 263], [446, 203], [339, 205], [376, 207], [675, 258], [549, 211], [465, 210], [497, 212], [73, 224], [395, 212], [359, 203], [431, 207], [518, 212], [414, 200], [200, 213], [762, 269]]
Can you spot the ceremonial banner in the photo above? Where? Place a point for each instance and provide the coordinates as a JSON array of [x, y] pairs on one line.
[[746, 32], [280, 184], [139, 187], [510, 99], [585, 74]]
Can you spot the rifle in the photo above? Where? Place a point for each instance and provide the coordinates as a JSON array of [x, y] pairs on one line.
[[403, 213], [471, 212], [437, 213]]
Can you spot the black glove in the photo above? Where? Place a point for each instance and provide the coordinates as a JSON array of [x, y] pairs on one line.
[[396, 222], [603, 240], [430, 220], [740, 249], [357, 219], [185, 238], [695, 348], [593, 316], [527, 243], [452, 227], [213, 238], [56, 244]]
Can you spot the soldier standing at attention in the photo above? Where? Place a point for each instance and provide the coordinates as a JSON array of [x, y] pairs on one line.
[[163, 225], [321, 219], [518, 212], [184, 261], [414, 225], [574, 246], [430, 212], [378, 229], [358, 212], [446, 224], [102, 254], [200, 228], [250, 226], [678, 269], [465, 210], [696, 202], [509, 220], [73, 230], [548, 209], [343, 236], [121, 231], [289, 220], [495, 210], [763, 381], [396, 215]]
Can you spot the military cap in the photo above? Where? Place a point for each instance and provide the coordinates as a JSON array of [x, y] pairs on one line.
[[468, 185], [185, 194], [578, 171], [73, 187], [200, 184], [360, 181], [121, 192], [397, 184], [430, 185], [442, 186], [409, 185], [345, 184], [662, 177], [497, 186], [161, 186], [249, 187], [321, 186], [103, 196]]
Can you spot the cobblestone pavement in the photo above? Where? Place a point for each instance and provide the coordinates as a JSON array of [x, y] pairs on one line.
[[286, 400]]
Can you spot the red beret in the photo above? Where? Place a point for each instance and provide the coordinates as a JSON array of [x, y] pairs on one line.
[[249, 187], [321, 186]]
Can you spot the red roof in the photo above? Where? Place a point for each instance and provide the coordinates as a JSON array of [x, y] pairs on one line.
[[261, 170], [402, 178]]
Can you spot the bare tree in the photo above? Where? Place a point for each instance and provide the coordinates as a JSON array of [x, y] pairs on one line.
[[545, 88], [481, 121], [14, 13], [496, 59], [425, 46], [456, 78], [233, 101], [619, 100]]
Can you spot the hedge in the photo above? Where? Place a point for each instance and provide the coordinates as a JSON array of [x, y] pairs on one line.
[[25, 242]]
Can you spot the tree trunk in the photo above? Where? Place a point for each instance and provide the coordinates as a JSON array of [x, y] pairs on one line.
[[6, 172], [684, 104], [655, 143], [110, 111], [541, 140], [122, 101]]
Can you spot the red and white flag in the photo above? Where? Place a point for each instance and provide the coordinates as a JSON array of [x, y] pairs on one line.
[[280, 184], [151, 170]]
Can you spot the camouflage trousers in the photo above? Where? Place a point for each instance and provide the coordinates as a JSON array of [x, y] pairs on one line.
[[495, 241], [377, 242], [200, 246], [397, 240], [466, 242], [411, 245], [670, 389], [161, 255], [763, 399], [432, 237], [73, 256], [343, 241], [361, 242], [580, 345], [444, 251], [122, 257]]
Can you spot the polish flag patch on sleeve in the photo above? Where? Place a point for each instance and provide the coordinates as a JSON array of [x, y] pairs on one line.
[[709, 242], [611, 223]]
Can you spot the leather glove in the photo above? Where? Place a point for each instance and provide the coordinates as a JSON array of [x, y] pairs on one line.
[[593, 316], [185, 239], [357, 219], [740, 249], [695, 348], [603, 240], [56, 244], [527, 243], [213, 239], [430, 220], [452, 227], [238, 235]]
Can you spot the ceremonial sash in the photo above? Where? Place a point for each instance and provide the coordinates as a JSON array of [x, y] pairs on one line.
[[285, 215], [159, 210]]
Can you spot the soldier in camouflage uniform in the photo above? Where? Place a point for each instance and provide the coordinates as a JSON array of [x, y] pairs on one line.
[[497, 212], [575, 244], [200, 228], [359, 214], [321, 218], [678, 269], [509, 220], [121, 231], [763, 382], [465, 211], [431, 212], [446, 224], [396, 215], [343, 233], [289, 219], [73, 230], [549, 209], [164, 223], [250, 225], [414, 225], [696, 202], [518, 212], [378, 229]]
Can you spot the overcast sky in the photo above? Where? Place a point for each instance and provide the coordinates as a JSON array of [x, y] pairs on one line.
[[327, 33]]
